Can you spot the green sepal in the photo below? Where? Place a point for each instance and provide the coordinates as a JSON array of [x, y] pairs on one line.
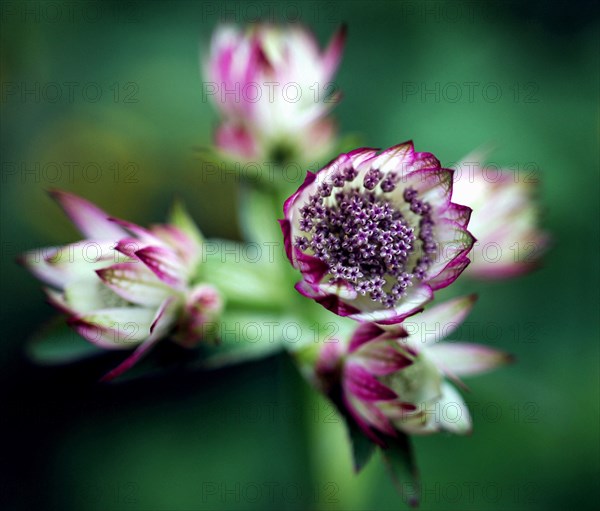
[[362, 447], [400, 462], [56, 343], [180, 218]]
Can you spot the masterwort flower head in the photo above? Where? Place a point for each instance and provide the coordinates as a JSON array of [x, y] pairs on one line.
[[395, 378], [504, 220], [272, 85], [374, 235], [125, 286]]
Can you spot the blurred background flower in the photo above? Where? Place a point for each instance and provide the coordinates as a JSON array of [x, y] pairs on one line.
[[104, 99], [505, 221], [274, 87]]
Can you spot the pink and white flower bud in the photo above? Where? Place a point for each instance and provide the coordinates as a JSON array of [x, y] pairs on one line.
[[124, 286], [504, 219], [273, 87], [395, 378], [203, 307]]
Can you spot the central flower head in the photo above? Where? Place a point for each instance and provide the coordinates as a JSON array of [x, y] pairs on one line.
[[365, 240], [374, 235]]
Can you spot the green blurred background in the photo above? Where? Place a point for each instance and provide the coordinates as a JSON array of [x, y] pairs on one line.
[[255, 437]]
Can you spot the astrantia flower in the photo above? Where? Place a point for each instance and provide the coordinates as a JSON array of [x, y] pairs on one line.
[[374, 235], [391, 380], [273, 87], [504, 220], [125, 286]]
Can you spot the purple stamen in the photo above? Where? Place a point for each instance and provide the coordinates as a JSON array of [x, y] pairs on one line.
[[372, 178], [364, 239]]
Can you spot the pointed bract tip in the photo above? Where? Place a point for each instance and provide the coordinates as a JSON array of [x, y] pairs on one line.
[[472, 298], [55, 193]]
